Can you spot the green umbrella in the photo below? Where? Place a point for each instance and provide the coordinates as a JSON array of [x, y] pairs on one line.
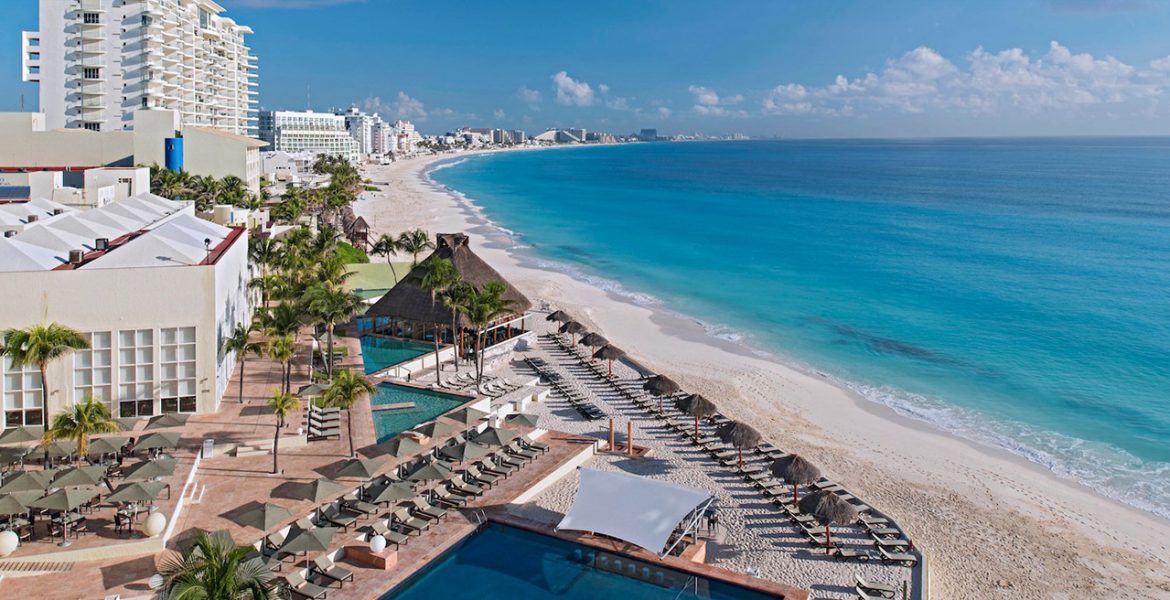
[[79, 476], [301, 541], [318, 490], [167, 421], [127, 423], [111, 445], [395, 492], [360, 468], [264, 517], [495, 436], [435, 429], [64, 500], [27, 481], [10, 505], [20, 435], [465, 451], [522, 419], [59, 448], [158, 440], [13, 455], [400, 447], [435, 470], [467, 416], [149, 469], [137, 492], [312, 390]]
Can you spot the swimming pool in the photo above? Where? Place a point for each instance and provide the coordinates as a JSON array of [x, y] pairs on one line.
[[381, 352], [427, 405], [506, 563]]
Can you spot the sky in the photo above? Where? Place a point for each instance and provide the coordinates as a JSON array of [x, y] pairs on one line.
[[790, 68]]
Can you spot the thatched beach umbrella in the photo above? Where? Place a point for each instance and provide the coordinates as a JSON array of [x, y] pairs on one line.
[[593, 340], [166, 421], [20, 435], [660, 385], [740, 435], [400, 447], [610, 353], [573, 328], [524, 419], [559, 316], [360, 468], [698, 407], [263, 517], [795, 470], [828, 508]]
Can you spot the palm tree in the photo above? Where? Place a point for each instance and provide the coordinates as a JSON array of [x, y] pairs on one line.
[[330, 305], [264, 253], [240, 342], [171, 184], [282, 404], [282, 349], [347, 388], [215, 568], [87, 418], [484, 305], [40, 345], [438, 275], [386, 246], [455, 297], [415, 241], [282, 319]]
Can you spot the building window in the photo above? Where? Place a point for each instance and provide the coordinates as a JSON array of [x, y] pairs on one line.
[[34, 55], [145, 102], [22, 395], [91, 18], [91, 73], [92, 126], [34, 42], [177, 365], [33, 70], [93, 370], [136, 373]]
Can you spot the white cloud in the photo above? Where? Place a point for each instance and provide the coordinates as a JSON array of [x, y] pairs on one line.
[[571, 92], [500, 115], [922, 80], [403, 107], [663, 112], [531, 97], [709, 103], [604, 89]]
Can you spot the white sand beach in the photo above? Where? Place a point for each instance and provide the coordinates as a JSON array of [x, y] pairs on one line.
[[991, 523]]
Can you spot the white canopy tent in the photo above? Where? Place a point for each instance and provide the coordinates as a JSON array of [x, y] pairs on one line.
[[642, 511]]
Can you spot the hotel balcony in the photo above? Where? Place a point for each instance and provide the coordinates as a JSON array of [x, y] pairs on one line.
[[91, 87]]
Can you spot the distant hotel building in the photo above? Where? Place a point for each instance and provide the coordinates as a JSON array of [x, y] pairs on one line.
[[320, 133], [97, 61], [648, 135]]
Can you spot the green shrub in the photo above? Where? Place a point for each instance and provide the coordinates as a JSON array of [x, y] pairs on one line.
[[350, 254]]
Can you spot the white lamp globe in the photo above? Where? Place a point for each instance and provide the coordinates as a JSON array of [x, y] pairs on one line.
[[154, 524], [156, 582], [9, 542], [377, 544]]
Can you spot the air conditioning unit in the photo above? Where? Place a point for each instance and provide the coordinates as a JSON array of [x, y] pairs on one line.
[[101, 244], [58, 211], [32, 218], [10, 233], [76, 257]]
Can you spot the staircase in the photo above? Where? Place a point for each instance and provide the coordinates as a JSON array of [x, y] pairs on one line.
[[29, 568]]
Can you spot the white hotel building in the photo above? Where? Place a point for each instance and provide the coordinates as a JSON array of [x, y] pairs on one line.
[[153, 287], [319, 133], [97, 61]]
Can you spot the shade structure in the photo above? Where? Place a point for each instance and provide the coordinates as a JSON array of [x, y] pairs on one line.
[[660, 385], [14, 454], [10, 505], [110, 445], [313, 390], [593, 340], [20, 435], [641, 511], [434, 429], [464, 452], [435, 470], [301, 541], [395, 492], [496, 436], [522, 419], [158, 440], [796, 471], [136, 492], [828, 508], [696, 406], [559, 316], [167, 421], [77, 476], [318, 490], [263, 517], [127, 423], [26, 481], [467, 416], [64, 500], [59, 448], [738, 434], [610, 353], [360, 468], [149, 469], [571, 327], [400, 447]]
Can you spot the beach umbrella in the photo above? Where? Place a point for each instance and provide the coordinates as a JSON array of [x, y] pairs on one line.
[[263, 517], [127, 423], [610, 353], [395, 492], [659, 386], [495, 436], [360, 468], [10, 505], [301, 541], [828, 508], [64, 501], [572, 327], [696, 406], [740, 435], [318, 490], [149, 469], [159, 440], [312, 390], [79, 476], [136, 492], [112, 445], [14, 455], [593, 340], [59, 449], [400, 447], [20, 435], [795, 470], [465, 451], [27, 481], [559, 316], [467, 416], [434, 429], [523, 419], [166, 421]]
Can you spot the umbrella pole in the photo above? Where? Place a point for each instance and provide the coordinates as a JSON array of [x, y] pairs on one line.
[[741, 458], [611, 367], [696, 428], [611, 434], [828, 540], [630, 438]]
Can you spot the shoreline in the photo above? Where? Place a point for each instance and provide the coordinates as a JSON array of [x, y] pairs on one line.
[[951, 493]]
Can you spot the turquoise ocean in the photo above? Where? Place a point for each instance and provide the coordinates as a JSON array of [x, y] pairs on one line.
[[1015, 292]]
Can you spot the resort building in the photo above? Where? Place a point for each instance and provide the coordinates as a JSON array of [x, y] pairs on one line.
[[154, 288], [319, 133], [98, 61], [367, 130]]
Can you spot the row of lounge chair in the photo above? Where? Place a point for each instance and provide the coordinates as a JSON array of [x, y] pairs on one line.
[[579, 401], [324, 422], [491, 386]]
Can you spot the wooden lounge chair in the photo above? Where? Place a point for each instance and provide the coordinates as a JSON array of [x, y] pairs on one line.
[[894, 545], [901, 558], [843, 554], [298, 585], [325, 567], [481, 477], [884, 532], [409, 522], [504, 459], [422, 507], [864, 595], [874, 587]]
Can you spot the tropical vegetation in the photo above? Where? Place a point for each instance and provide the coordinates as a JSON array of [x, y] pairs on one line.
[[88, 417], [241, 342], [282, 404], [206, 191], [215, 568], [40, 345], [346, 389]]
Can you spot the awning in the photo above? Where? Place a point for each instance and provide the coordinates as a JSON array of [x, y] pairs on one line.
[[634, 509]]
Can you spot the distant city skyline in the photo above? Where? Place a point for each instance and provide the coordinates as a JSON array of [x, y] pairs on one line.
[[850, 69]]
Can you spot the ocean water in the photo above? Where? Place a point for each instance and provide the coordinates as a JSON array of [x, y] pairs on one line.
[[1015, 292]]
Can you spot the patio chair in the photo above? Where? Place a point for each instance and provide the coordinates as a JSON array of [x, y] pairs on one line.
[[409, 522], [383, 529], [842, 554], [900, 558], [325, 567], [481, 477], [421, 506], [464, 488], [341, 518], [449, 499], [874, 587], [298, 585]]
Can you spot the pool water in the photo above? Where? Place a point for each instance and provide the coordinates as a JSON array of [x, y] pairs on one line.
[[427, 405], [506, 563], [380, 352]]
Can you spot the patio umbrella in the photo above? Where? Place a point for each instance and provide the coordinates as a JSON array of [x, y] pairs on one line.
[[263, 517], [111, 445], [312, 390], [149, 469], [395, 492], [127, 423], [360, 468], [797, 471], [64, 501], [434, 470], [740, 435], [660, 385], [465, 451], [400, 447], [136, 492], [20, 435], [467, 416], [10, 505], [318, 490], [27, 481], [698, 407], [59, 448], [166, 421], [435, 429], [79, 476], [301, 541], [559, 316], [523, 419], [610, 353], [572, 327], [828, 508], [14, 455], [495, 436], [158, 440]]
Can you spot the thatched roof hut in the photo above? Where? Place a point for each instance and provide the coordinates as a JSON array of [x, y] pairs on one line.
[[409, 301]]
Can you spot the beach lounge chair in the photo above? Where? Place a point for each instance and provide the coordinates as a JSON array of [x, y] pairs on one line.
[[884, 532], [383, 529], [339, 517], [874, 587], [449, 499], [298, 585], [459, 486], [531, 444], [421, 507], [901, 558], [482, 477], [504, 459], [325, 567], [893, 545], [411, 523], [863, 595], [517, 450], [842, 554], [867, 521], [491, 467]]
